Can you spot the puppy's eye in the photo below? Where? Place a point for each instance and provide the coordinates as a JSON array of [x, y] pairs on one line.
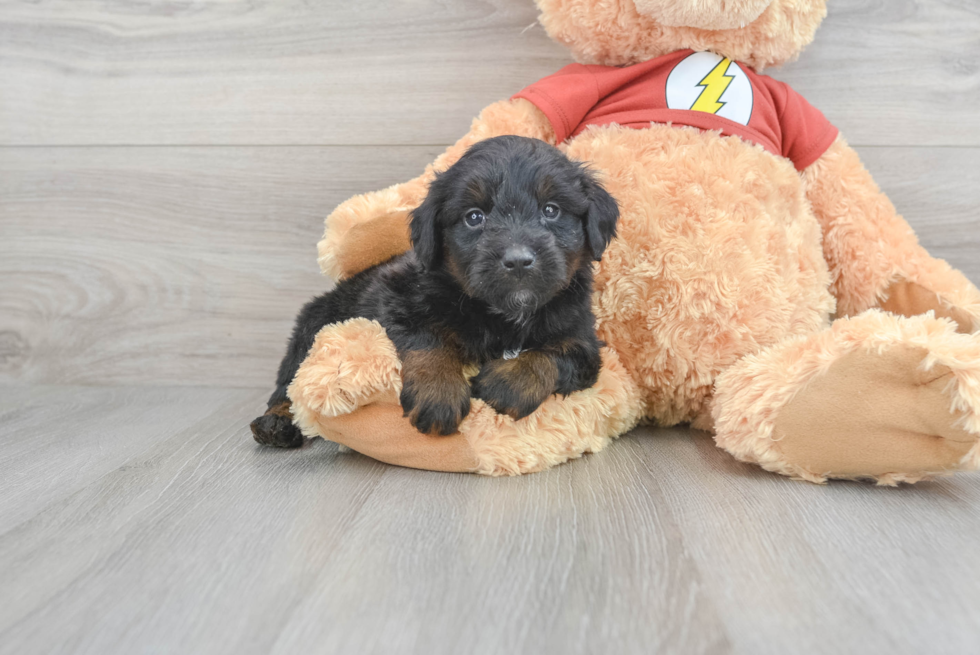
[[551, 211], [474, 218]]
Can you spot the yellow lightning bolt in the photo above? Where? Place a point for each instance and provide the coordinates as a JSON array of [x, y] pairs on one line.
[[715, 83]]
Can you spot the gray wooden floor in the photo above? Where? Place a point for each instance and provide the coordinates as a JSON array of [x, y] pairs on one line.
[[164, 171]]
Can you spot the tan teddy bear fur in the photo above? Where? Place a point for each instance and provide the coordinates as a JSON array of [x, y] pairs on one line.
[[792, 313]]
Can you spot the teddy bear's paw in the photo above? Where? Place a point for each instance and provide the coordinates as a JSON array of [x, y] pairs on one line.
[[276, 430], [351, 364], [887, 415], [365, 244], [876, 396]]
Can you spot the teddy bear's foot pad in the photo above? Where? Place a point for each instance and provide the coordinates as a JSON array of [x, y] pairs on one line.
[[875, 396], [875, 414]]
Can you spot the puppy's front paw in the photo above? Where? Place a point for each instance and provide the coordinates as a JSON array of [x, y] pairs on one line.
[[435, 394], [276, 430], [516, 387], [437, 407]]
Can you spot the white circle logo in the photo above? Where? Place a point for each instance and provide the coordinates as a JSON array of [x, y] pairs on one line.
[[707, 82]]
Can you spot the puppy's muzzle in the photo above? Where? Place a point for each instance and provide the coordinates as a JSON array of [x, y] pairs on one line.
[[517, 259]]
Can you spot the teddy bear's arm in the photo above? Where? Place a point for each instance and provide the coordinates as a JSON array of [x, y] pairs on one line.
[[372, 227], [874, 256]]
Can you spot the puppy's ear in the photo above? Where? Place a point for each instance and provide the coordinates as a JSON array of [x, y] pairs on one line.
[[600, 222], [425, 228]]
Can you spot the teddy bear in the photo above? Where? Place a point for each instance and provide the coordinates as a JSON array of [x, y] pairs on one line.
[[761, 286]]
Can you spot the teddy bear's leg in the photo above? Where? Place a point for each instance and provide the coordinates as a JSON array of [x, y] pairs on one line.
[[372, 227], [874, 256], [347, 391], [874, 396]]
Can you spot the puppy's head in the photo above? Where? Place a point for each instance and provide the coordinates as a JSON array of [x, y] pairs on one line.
[[512, 221]]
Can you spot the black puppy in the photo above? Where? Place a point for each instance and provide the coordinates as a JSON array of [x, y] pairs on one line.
[[500, 276]]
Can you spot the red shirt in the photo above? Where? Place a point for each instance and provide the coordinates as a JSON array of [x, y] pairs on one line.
[[697, 89]]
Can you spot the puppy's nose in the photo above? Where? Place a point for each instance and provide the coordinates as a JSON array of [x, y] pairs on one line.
[[517, 258]]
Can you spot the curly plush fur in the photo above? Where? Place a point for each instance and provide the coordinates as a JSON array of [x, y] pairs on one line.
[[718, 300], [619, 33], [501, 263]]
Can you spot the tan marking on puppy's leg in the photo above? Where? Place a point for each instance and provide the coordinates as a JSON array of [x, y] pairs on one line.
[[283, 409], [435, 392], [534, 371], [516, 387]]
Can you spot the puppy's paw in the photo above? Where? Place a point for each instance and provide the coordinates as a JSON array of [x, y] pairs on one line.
[[436, 408], [276, 430], [516, 387]]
